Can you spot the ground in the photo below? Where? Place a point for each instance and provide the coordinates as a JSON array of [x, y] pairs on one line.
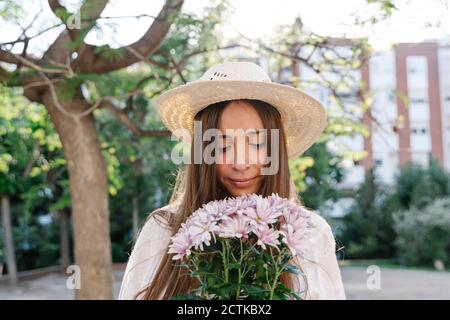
[[394, 284]]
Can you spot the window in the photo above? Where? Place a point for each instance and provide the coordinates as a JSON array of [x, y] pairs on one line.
[[418, 100], [419, 130], [391, 97]]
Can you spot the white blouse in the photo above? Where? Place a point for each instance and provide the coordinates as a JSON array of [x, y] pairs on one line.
[[319, 265]]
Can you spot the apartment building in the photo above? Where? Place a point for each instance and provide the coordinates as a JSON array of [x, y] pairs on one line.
[[409, 117]]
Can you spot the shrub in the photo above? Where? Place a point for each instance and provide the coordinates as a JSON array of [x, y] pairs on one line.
[[423, 235], [417, 186], [368, 231]]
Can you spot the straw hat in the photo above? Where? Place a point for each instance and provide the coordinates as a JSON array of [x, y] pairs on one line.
[[304, 118]]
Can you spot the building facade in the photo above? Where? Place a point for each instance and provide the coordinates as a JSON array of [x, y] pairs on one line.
[[409, 118]]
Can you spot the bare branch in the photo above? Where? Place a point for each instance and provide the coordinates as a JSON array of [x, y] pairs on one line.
[[91, 61], [183, 60], [22, 37], [123, 117], [125, 17], [25, 37], [33, 63], [176, 65]]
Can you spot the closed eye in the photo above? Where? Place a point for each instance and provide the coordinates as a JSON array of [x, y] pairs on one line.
[[225, 148], [258, 145]]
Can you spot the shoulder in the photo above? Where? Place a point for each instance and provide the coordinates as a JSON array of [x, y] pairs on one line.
[[321, 237], [319, 222], [157, 224]]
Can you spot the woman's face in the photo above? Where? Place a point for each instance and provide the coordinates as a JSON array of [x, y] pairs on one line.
[[241, 172]]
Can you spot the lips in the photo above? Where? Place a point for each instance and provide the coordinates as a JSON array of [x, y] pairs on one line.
[[242, 183]]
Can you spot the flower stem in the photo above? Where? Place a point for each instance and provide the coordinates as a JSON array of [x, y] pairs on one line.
[[277, 274], [238, 289], [225, 261]]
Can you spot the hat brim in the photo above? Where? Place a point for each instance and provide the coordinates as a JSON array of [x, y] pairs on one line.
[[303, 117]]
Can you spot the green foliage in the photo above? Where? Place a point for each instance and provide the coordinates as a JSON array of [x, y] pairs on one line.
[[418, 186], [25, 130], [111, 54], [424, 233], [369, 229], [63, 14], [387, 6], [33, 175], [68, 87], [137, 169], [317, 177], [10, 10]]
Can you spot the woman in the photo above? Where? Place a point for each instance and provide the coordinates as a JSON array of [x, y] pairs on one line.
[[233, 97]]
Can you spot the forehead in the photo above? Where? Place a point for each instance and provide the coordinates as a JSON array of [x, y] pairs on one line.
[[240, 115]]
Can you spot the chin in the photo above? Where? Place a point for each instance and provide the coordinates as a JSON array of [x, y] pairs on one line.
[[238, 192]]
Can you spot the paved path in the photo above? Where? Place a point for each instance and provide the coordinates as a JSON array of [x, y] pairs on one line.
[[51, 286], [394, 284]]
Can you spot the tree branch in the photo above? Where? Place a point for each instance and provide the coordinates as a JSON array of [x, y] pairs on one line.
[[25, 37], [12, 58], [92, 62], [122, 116], [87, 15]]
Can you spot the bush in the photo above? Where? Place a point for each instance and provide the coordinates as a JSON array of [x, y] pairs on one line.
[[417, 186], [423, 235], [368, 231]]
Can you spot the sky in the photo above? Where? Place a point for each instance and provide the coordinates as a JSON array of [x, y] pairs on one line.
[[257, 18]]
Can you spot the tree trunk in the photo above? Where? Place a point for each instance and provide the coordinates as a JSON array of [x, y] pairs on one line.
[[64, 240], [9, 241], [89, 195]]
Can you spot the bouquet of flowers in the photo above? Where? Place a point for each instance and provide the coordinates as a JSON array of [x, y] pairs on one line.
[[238, 248]]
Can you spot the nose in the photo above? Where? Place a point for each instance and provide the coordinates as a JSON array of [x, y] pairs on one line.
[[241, 157], [240, 167]]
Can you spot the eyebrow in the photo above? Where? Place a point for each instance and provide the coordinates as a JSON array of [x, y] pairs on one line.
[[252, 132]]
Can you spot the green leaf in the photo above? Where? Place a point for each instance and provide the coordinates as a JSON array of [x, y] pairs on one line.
[[109, 53]]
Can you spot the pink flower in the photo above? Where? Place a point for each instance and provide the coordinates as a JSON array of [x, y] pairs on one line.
[[267, 236], [181, 245], [236, 227], [240, 216], [263, 214], [238, 205], [215, 209], [296, 218], [294, 239], [276, 201], [201, 227]]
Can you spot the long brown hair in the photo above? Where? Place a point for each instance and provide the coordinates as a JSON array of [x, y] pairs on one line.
[[202, 186]]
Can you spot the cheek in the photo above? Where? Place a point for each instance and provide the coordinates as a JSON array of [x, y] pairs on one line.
[[221, 170], [258, 157]]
